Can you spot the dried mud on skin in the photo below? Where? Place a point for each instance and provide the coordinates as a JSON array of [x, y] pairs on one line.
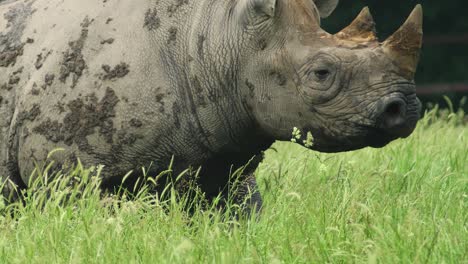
[[83, 118], [119, 71], [73, 61]]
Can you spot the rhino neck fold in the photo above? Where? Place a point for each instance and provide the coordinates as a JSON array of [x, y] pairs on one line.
[[211, 69]]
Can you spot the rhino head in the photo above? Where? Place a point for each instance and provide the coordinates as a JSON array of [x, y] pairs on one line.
[[347, 89]]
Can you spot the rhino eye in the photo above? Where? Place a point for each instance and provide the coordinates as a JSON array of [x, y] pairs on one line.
[[322, 74]]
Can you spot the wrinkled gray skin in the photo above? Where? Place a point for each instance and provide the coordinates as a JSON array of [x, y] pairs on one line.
[[212, 82]]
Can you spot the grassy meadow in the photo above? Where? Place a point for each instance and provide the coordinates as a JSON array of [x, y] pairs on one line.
[[405, 203]]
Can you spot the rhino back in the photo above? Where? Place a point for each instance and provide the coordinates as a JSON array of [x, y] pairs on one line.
[[90, 78]]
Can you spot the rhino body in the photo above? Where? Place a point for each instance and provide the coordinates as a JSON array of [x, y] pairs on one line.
[[211, 83]]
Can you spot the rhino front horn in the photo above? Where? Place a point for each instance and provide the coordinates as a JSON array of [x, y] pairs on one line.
[[404, 46], [362, 29]]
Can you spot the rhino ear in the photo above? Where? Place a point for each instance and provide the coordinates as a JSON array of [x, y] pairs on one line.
[[265, 7], [326, 7], [251, 9]]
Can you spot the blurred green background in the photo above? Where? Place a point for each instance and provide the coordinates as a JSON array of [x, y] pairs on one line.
[[443, 69]]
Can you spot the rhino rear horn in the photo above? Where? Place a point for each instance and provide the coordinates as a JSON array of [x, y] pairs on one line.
[[362, 29], [404, 46]]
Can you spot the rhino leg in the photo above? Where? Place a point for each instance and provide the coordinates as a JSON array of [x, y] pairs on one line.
[[240, 189], [9, 190], [10, 180], [248, 196]]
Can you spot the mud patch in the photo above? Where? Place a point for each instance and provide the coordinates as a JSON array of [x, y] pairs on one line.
[[11, 46], [41, 58], [200, 44], [251, 87], [172, 35], [134, 122], [198, 89], [48, 80], [73, 61], [175, 113], [117, 150], [84, 116], [160, 100], [9, 54], [125, 139], [60, 107], [13, 80], [51, 130], [119, 71], [34, 90], [279, 78], [172, 8], [107, 41], [152, 21], [30, 115]]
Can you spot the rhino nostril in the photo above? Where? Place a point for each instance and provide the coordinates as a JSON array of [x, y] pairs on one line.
[[393, 114], [394, 109]]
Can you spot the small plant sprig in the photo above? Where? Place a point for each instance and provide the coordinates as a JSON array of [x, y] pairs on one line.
[[309, 141], [296, 135]]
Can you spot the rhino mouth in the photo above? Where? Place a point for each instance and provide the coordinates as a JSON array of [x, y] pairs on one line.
[[369, 137], [379, 138], [372, 137]]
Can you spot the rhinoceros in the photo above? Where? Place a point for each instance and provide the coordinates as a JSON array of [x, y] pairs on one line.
[[203, 83]]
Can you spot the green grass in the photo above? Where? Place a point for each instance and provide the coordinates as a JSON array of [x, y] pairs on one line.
[[405, 203]]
